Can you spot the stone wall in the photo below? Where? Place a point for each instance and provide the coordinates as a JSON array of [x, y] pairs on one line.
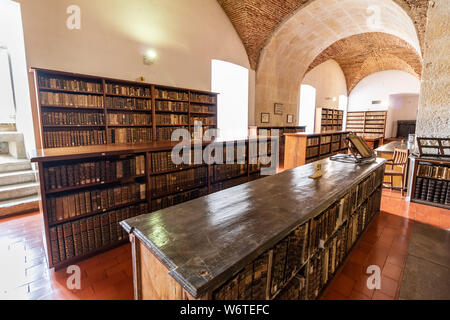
[[433, 118]]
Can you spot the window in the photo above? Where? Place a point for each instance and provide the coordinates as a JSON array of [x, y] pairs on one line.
[[6, 89], [343, 102], [231, 82], [307, 111]]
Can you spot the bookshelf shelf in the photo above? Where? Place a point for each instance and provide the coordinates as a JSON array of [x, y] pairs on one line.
[[129, 110], [71, 107], [70, 91], [184, 189], [126, 96], [87, 215], [168, 99], [130, 125], [328, 120], [158, 173], [93, 185], [74, 126]]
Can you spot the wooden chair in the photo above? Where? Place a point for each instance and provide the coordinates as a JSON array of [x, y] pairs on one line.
[[399, 159]]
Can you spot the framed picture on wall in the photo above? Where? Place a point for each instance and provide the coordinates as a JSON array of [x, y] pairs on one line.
[[290, 118], [278, 109], [265, 117]]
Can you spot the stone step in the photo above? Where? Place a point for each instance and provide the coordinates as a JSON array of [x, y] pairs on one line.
[[9, 164], [18, 191], [20, 205], [15, 177]]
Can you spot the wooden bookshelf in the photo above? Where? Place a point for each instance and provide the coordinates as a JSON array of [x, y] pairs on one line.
[[329, 120], [82, 185], [367, 123], [79, 110], [293, 253], [431, 182], [302, 148]]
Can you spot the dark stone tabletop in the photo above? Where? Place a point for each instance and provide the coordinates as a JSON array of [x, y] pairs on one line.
[[204, 242]]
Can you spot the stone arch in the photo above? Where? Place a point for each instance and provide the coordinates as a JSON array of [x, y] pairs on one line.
[[300, 39]]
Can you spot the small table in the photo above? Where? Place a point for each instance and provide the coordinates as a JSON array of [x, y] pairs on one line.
[[386, 151]]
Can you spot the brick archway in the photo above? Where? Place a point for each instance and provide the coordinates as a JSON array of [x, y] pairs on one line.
[[363, 54]]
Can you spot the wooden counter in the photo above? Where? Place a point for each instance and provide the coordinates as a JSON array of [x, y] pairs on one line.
[[208, 247], [303, 148]]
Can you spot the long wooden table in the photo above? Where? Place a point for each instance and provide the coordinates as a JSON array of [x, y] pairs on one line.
[[191, 250]]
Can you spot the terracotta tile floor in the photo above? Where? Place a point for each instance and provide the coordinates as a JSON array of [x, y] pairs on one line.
[[23, 272]]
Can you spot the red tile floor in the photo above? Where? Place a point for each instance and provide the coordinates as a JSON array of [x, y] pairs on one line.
[[24, 275]]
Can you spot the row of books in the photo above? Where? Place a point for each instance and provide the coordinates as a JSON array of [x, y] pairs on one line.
[[86, 235], [314, 141], [128, 103], [324, 149], [129, 119], [165, 133], [75, 138], [437, 191], [175, 119], [325, 139], [288, 257], [137, 91], [203, 98], [130, 135], [85, 173], [178, 181], [433, 171], [202, 109], [173, 106], [249, 284], [73, 118], [70, 100], [174, 199], [171, 94], [228, 171], [162, 161], [206, 121], [69, 84], [76, 204]]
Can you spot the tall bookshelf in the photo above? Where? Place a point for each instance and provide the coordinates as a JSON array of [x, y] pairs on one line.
[[367, 123], [328, 120], [82, 110], [86, 191]]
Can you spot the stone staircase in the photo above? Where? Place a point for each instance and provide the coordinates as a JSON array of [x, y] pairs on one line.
[[18, 181]]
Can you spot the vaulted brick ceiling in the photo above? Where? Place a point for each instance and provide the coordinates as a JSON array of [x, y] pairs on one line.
[[256, 20], [363, 54]]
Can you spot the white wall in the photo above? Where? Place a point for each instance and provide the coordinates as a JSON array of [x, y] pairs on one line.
[[114, 34], [380, 86], [402, 107], [329, 81], [11, 35]]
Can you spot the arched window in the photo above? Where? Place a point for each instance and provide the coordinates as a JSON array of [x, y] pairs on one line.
[[307, 110], [231, 82], [7, 115]]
